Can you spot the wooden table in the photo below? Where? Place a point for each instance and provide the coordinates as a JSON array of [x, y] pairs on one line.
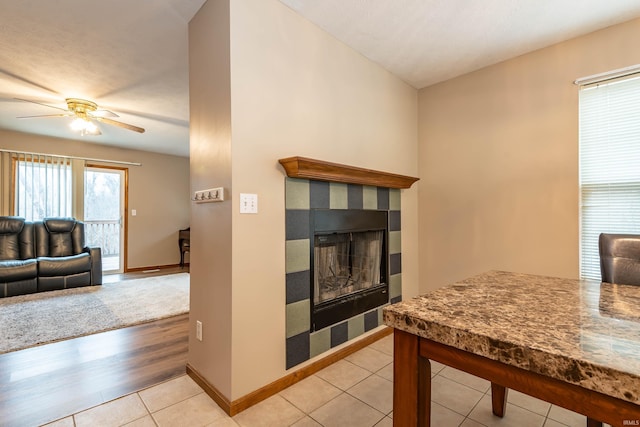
[[573, 343]]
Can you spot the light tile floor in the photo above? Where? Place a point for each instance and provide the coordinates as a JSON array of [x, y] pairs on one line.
[[353, 392]]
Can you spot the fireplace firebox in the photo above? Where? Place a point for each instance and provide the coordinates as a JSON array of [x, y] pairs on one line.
[[349, 264]]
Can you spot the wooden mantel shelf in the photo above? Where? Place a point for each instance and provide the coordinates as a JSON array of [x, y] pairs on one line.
[[302, 167]]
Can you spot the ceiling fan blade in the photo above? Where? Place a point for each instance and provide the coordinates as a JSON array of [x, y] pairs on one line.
[[45, 115], [120, 124], [40, 103], [103, 113]]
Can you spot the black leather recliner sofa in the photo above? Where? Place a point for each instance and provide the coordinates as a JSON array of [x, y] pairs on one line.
[[45, 255]]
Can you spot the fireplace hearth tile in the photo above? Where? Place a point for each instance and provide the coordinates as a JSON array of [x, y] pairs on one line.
[[298, 317], [297, 224], [319, 195], [394, 221], [296, 193], [395, 242], [395, 285], [371, 320], [320, 341], [355, 326], [339, 334], [394, 199], [395, 264], [297, 349], [383, 198], [338, 196], [298, 286], [354, 194], [297, 255], [369, 197]]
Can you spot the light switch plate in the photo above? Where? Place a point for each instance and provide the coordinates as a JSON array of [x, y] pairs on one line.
[[248, 203]]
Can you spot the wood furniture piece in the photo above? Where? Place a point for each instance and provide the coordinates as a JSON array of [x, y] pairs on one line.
[[573, 343], [184, 242], [303, 167]]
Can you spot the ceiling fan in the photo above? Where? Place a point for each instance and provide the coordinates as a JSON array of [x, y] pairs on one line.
[[85, 112]]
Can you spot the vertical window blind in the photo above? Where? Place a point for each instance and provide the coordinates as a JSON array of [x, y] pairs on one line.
[[42, 186], [609, 165]]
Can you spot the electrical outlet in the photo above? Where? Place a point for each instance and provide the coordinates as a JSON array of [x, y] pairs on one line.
[[198, 330]]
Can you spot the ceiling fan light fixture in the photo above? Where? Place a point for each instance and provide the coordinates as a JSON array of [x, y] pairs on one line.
[[85, 112], [84, 126]]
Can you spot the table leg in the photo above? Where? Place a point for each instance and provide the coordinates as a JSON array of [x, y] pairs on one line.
[[424, 392], [411, 382], [593, 423], [498, 399]]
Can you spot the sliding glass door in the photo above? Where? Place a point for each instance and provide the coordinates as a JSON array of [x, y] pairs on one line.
[[104, 213]]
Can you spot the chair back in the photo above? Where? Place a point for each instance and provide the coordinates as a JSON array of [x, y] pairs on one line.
[[620, 258], [59, 237], [16, 239]]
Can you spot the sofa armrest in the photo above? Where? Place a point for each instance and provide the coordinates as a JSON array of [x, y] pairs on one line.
[[96, 265]]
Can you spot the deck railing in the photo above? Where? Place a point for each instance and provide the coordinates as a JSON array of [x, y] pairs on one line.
[[104, 234]]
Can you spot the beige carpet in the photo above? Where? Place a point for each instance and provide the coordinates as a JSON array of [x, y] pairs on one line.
[[34, 319]]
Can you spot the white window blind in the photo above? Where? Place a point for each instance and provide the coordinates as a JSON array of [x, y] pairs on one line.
[[42, 186], [609, 165]]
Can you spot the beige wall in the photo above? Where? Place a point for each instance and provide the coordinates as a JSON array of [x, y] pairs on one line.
[[294, 91], [158, 190], [499, 161], [210, 156]]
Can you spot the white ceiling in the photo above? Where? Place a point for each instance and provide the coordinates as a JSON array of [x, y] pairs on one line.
[[128, 56], [131, 57], [429, 41]]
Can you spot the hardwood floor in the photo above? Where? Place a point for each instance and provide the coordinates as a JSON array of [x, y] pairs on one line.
[[42, 384]]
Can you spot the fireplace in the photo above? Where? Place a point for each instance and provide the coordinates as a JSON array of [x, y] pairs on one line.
[[349, 264], [312, 188]]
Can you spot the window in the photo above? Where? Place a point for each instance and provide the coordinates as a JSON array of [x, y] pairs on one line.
[[609, 165], [42, 186]]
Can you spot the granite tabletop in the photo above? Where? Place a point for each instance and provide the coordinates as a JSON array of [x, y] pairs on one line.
[[578, 331]]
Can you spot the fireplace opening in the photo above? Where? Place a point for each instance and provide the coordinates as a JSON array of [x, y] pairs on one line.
[[348, 264]]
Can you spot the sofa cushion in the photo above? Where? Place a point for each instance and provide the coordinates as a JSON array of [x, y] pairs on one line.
[[20, 287], [14, 270], [65, 265], [9, 247], [10, 229], [60, 244], [59, 229], [59, 225], [64, 282], [11, 224], [59, 237]]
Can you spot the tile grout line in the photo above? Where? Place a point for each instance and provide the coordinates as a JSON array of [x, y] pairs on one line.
[[146, 407]]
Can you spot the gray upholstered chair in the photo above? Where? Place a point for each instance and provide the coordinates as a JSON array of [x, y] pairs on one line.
[[620, 264]]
